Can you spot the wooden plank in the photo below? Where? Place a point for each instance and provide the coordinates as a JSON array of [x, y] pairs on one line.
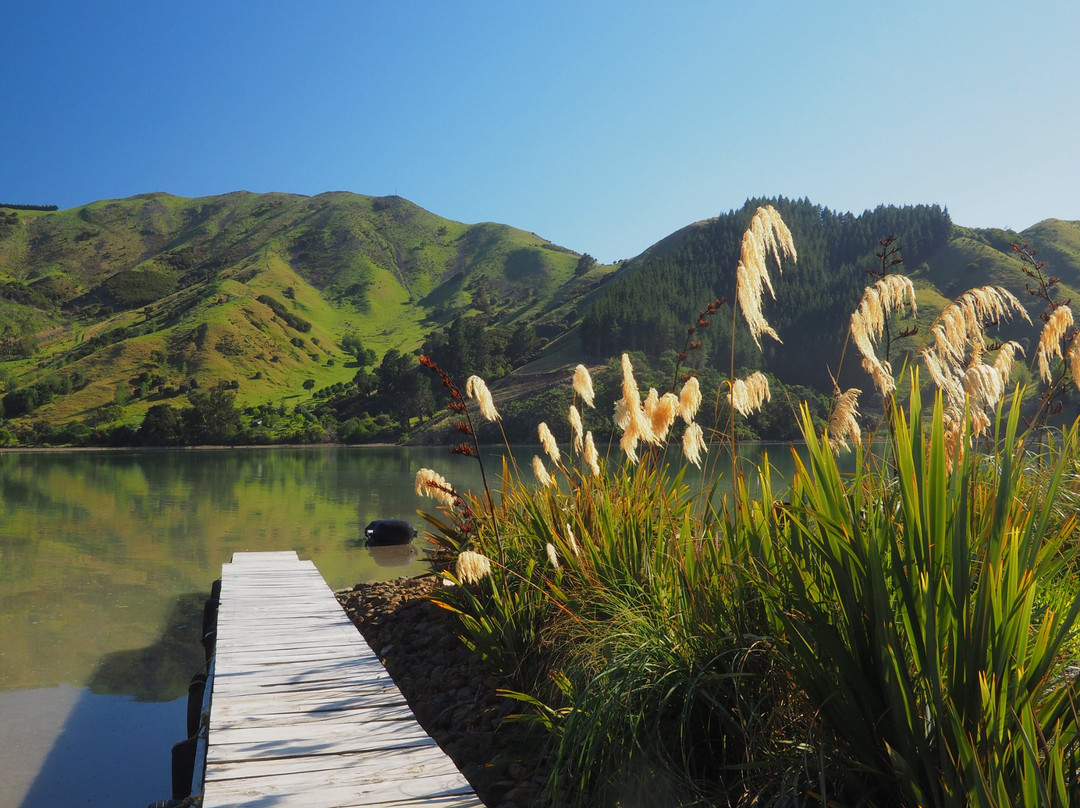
[[302, 713]]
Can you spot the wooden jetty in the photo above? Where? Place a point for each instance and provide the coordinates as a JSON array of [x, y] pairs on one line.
[[302, 713]]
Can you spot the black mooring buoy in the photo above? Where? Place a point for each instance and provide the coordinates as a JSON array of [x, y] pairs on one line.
[[389, 531]]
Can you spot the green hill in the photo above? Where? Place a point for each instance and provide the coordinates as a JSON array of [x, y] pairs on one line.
[[112, 308], [159, 293]]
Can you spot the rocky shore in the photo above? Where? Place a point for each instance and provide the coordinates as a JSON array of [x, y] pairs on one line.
[[450, 690]]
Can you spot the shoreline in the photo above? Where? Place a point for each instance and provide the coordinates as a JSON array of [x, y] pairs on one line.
[[450, 690]]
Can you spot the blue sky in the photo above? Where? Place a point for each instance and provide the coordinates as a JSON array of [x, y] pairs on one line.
[[601, 126]]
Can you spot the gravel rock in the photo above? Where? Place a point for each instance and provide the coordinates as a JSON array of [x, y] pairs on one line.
[[449, 689]]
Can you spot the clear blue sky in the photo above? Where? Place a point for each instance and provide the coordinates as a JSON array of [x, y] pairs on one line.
[[602, 126]]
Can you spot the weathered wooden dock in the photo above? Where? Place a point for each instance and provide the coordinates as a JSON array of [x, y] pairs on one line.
[[302, 713]]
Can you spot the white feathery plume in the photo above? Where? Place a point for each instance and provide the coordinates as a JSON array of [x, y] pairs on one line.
[[749, 394], [471, 567], [1050, 340], [693, 444], [476, 388], [541, 473], [432, 484], [591, 456], [571, 541], [690, 399], [577, 428], [553, 557], [843, 420], [868, 323], [767, 234], [583, 385], [547, 440]]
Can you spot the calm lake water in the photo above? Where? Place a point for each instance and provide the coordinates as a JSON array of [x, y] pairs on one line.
[[106, 559]]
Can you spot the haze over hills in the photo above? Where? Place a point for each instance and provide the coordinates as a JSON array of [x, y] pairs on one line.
[[109, 309]]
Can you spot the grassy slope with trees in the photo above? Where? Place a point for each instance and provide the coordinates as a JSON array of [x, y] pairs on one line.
[[305, 313]]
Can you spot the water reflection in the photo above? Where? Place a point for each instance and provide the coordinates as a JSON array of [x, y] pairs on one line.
[[160, 671], [394, 555], [105, 561], [114, 746]]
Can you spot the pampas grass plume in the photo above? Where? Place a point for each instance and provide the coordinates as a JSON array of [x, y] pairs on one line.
[[693, 444], [432, 484], [577, 428], [541, 473], [843, 420], [475, 387], [553, 556], [571, 541], [868, 324], [690, 399], [591, 456], [767, 234], [749, 394], [1050, 340], [471, 567], [547, 440], [583, 385]]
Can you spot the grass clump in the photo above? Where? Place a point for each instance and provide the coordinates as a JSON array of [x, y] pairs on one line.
[[897, 635]]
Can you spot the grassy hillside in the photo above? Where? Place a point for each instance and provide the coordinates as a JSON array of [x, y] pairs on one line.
[[109, 309], [157, 293]]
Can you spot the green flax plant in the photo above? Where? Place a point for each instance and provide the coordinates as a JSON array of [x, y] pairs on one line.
[[912, 618]]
